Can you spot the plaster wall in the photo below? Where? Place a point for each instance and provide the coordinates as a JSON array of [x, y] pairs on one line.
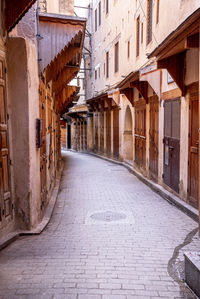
[[119, 25], [165, 85], [65, 7], [127, 130], [192, 66], [33, 110], [19, 118]]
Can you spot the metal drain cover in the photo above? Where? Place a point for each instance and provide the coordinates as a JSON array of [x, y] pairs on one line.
[[108, 216]]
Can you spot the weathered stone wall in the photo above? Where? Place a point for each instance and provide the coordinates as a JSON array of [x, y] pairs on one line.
[[65, 7]]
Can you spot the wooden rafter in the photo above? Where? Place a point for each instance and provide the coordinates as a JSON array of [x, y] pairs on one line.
[[64, 78], [15, 10], [101, 105], [69, 56], [108, 102], [66, 97]]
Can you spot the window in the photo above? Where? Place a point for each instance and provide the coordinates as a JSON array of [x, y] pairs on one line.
[[128, 49], [142, 33], [107, 6], [96, 20], [107, 64], [116, 57], [149, 21], [95, 74], [158, 8], [99, 13], [138, 36]]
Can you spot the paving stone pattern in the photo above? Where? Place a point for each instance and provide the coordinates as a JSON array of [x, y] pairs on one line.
[[76, 259]]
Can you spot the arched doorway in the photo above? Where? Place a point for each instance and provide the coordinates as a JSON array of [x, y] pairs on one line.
[[128, 136]]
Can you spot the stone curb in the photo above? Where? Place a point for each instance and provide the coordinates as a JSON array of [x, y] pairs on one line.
[[45, 221], [171, 198]]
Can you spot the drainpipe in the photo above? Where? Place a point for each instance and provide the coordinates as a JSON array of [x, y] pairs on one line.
[[38, 36]]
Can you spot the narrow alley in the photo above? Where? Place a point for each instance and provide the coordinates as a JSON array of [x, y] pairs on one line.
[[110, 237]]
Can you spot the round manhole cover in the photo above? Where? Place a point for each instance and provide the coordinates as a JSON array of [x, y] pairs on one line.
[[108, 216]]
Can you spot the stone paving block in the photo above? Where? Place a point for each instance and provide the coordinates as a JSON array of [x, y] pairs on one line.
[[73, 259], [114, 297], [89, 296]]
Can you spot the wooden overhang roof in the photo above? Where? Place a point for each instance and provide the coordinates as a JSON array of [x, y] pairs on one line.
[[78, 114], [14, 11], [60, 47], [133, 76], [98, 97], [131, 81], [68, 95], [184, 37]]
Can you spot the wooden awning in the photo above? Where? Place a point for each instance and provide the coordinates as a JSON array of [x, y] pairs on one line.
[[60, 47], [66, 97], [133, 76], [133, 81], [14, 11], [184, 37]]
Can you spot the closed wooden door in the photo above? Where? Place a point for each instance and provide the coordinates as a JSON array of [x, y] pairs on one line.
[[108, 132], [96, 132], [193, 151], [102, 132], [43, 157], [172, 143], [153, 137], [5, 192], [116, 133], [140, 136]]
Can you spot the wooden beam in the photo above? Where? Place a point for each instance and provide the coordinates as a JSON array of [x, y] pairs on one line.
[[101, 105], [108, 102], [175, 65], [193, 41], [63, 79], [142, 87], [128, 92]]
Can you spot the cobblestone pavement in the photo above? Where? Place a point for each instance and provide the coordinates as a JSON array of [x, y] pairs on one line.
[[78, 257]]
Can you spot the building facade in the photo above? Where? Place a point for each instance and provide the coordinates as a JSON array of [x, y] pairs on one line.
[[143, 91], [35, 70]]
